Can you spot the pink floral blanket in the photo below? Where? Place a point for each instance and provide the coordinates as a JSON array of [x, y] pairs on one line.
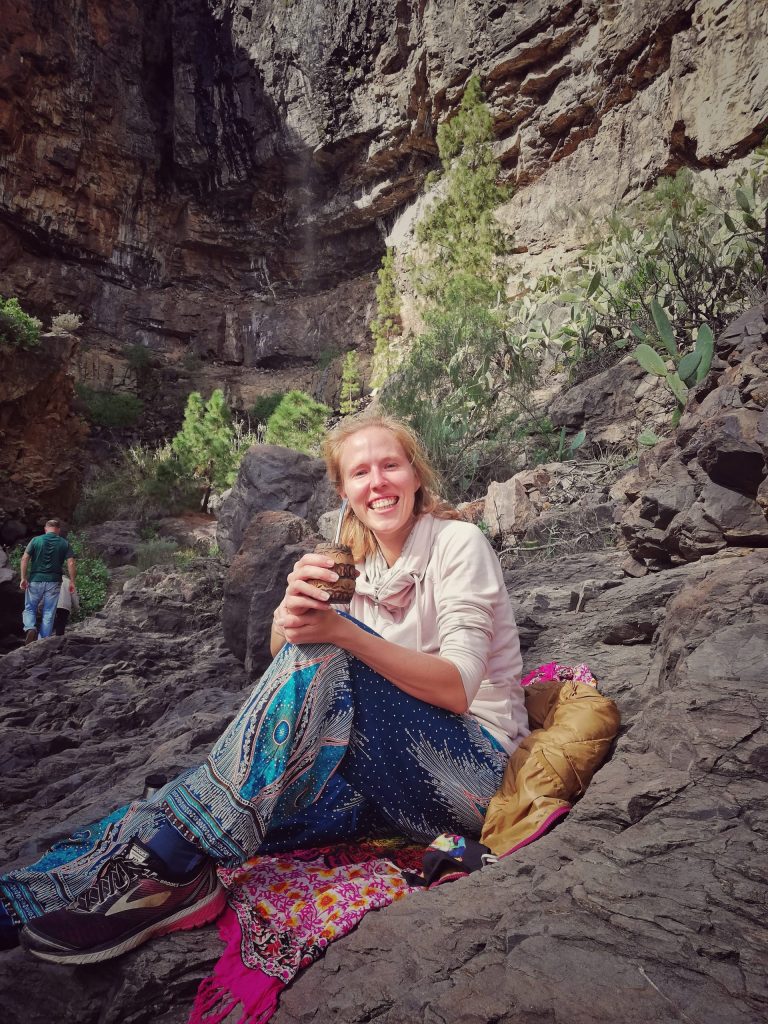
[[283, 912]]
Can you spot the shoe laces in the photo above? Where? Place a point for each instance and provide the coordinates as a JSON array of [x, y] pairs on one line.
[[115, 876]]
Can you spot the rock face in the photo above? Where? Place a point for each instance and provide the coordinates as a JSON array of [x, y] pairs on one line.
[[255, 583], [705, 488], [221, 174], [651, 887], [617, 404], [40, 434], [272, 478]]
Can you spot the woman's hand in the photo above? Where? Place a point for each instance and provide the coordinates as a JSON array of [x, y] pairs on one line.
[[300, 595], [303, 616], [313, 627]]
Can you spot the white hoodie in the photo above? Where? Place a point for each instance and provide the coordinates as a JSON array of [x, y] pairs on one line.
[[445, 595]]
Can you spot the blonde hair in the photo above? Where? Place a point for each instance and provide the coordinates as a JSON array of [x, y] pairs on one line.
[[354, 533]]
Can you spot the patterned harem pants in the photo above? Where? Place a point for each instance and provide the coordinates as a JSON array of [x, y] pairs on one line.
[[326, 749], [323, 750]]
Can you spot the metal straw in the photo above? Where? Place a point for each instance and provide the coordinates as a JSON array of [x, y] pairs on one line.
[[337, 536]]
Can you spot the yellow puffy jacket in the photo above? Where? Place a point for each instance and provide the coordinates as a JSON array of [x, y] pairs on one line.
[[573, 727]]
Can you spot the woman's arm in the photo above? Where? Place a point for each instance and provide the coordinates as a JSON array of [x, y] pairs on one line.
[[427, 676]]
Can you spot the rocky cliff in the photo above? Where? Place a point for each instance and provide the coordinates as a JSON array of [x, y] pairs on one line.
[[40, 434], [220, 174]]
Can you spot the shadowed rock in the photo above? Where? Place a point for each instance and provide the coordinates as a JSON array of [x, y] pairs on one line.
[[642, 905], [273, 478]]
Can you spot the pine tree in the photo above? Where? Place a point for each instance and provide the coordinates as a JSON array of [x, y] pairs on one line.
[[386, 327], [459, 230], [350, 384], [205, 446], [298, 422]]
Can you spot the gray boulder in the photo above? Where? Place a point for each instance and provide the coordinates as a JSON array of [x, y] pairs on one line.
[[116, 541], [256, 582], [274, 479]]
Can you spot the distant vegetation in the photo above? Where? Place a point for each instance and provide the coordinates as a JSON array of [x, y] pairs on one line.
[[17, 328], [659, 278], [148, 482], [115, 409]]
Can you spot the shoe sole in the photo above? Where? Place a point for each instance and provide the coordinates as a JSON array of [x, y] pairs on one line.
[[202, 913]]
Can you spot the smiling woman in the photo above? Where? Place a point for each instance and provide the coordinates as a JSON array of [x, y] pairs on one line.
[[399, 716]]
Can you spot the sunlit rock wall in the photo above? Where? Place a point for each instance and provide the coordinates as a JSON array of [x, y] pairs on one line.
[[221, 174]]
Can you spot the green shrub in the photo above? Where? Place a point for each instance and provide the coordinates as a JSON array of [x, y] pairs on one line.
[[350, 384], [462, 395], [264, 406], [145, 483], [462, 385], [17, 328], [461, 235], [115, 409], [677, 247], [66, 323], [92, 578], [209, 447], [298, 422], [386, 326]]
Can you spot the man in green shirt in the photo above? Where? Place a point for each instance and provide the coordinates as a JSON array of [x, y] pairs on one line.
[[42, 566]]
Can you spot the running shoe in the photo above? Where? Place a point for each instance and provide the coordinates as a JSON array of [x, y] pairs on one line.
[[126, 905]]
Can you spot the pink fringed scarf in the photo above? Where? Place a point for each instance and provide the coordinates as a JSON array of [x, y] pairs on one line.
[[283, 912]]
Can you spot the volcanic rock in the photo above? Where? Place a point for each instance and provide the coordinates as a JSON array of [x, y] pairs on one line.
[[272, 478], [40, 435], [699, 490], [219, 176], [256, 581], [649, 886]]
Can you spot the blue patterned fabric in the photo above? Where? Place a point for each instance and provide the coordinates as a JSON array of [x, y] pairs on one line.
[[324, 749], [319, 715]]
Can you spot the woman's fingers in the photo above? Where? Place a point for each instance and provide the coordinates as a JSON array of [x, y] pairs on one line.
[[313, 566], [311, 600], [301, 588]]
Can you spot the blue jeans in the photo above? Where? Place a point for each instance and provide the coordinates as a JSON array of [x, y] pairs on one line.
[[35, 594]]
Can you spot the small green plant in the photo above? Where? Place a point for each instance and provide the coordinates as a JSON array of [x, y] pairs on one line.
[[140, 359], [66, 323], [566, 452], [326, 357], [690, 366], [350, 384], [17, 328], [114, 409], [264, 406], [92, 578], [298, 422]]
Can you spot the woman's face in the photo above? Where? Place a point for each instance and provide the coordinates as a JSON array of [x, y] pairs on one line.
[[381, 486]]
